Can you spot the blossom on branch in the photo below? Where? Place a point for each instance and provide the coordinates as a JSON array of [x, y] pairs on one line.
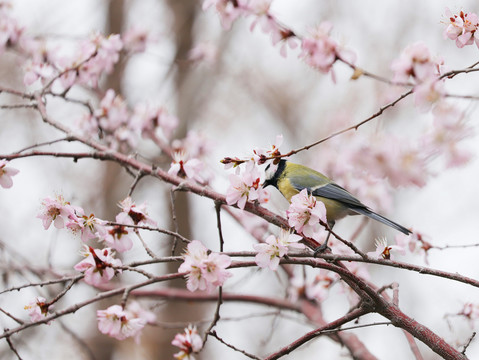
[[417, 64], [10, 31], [316, 290], [122, 323], [58, 211], [205, 272], [132, 214], [97, 55], [6, 173], [384, 251], [274, 248], [184, 166], [98, 265], [38, 309], [246, 187], [448, 130], [260, 155], [305, 213], [118, 237], [135, 39], [320, 51], [228, 10], [149, 119], [189, 342], [462, 27], [90, 227]]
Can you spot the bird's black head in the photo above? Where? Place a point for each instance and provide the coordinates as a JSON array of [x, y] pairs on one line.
[[273, 172]]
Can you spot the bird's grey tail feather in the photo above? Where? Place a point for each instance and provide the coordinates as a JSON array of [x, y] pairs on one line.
[[380, 218]]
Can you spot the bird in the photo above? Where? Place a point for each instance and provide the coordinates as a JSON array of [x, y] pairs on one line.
[[290, 179]]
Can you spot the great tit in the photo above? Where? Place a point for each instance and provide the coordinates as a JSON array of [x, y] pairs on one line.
[[291, 178]]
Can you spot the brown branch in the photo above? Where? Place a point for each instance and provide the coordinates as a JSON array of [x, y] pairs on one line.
[[356, 313], [77, 306]]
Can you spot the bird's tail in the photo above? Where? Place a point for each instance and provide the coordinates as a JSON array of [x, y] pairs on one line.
[[380, 218]]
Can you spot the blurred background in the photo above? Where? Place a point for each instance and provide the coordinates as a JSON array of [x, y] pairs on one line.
[[239, 97]]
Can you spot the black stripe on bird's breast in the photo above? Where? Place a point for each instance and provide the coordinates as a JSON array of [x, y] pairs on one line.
[[279, 171]]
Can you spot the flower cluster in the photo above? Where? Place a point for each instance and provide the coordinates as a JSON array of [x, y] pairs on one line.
[[305, 214], [320, 51], [64, 215], [189, 342], [6, 173], [416, 63], [92, 58], [246, 187], [205, 271], [122, 323], [274, 248], [99, 265], [462, 28]]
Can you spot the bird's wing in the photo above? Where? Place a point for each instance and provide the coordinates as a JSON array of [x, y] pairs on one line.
[[325, 189]]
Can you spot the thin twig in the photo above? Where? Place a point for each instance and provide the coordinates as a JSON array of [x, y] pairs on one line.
[[463, 352], [145, 246], [251, 356], [12, 347], [43, 283], [174, 220], [139, 176]]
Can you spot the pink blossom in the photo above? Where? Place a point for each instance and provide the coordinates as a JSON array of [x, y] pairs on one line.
[[98, 265], [6, 173], [131, 214], [10, 31], [305, 214], [315, 290], [228, 10], [114, 120], [246, 188], [403, 164], [57, 211], [385, 251], [184, 166], [448, 130], [38, 70], [274, 248], [428, 92], [150, 119], [136, 39], [320, 51], [462, 28], [260, 155], [205, 272], [38, 309], [101, 54], [119, 323], [189, 342], [90, 227], [117, 236], [416, 63]]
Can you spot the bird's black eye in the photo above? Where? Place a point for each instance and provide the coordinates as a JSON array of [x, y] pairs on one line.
[[267, 167]]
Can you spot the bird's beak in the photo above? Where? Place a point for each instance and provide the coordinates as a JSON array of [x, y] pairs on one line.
[[266, 183]]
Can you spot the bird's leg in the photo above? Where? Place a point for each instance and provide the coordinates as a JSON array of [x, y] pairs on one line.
[[324, 245]]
